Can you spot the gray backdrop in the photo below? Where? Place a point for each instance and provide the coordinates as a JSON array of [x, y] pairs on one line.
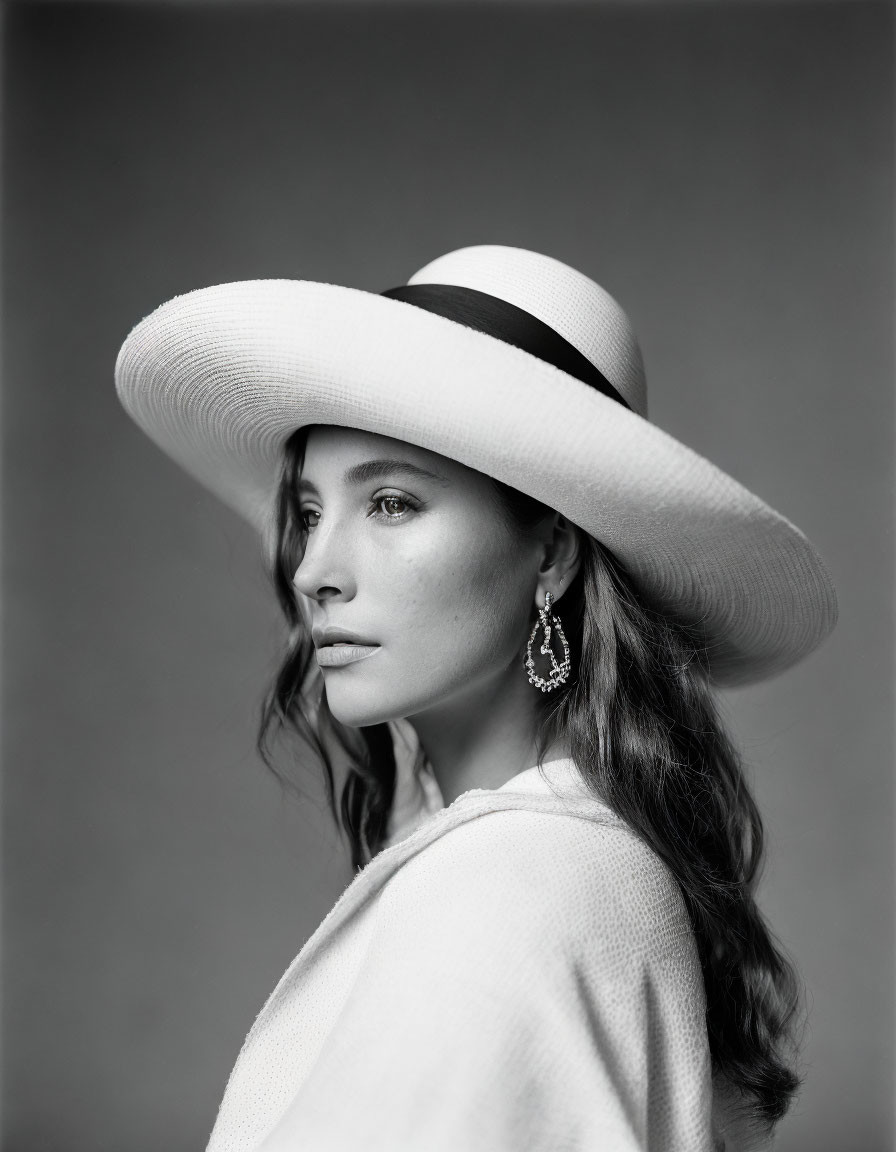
[[724, 169]]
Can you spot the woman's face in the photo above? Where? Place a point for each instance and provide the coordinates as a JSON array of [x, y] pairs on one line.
[[409, 555]]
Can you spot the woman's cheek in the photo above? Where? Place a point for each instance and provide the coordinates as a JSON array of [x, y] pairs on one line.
[[459, 597], [474, 620]]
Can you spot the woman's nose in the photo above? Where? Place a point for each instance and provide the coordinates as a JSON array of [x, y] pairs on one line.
[[325, 570]]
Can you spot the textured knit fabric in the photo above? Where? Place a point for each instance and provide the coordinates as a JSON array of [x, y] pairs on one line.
[[515, 973]]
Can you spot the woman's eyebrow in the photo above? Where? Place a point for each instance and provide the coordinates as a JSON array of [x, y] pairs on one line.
[[377, 469]]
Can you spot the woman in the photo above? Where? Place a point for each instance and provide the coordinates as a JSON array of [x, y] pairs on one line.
[[509, 598]]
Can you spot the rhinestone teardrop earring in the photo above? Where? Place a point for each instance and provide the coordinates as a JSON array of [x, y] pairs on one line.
[[559, 672]]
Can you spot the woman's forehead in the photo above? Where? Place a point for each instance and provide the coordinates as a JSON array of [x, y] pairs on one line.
[[331, 446]]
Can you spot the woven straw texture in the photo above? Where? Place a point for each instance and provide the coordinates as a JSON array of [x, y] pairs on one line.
[[220, 377]]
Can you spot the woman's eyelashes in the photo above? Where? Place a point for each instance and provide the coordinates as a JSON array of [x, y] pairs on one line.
[[386, 507], [392, 506]]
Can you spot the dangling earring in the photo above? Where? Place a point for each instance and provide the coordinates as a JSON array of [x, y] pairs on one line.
[[559, 673]]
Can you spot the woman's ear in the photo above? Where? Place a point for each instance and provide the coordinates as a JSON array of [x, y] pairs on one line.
[[563, 556]]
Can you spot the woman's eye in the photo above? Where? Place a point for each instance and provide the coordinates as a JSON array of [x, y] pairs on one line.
[[391, 507], [309, 518]]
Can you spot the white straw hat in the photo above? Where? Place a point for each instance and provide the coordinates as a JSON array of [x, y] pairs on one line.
[[220, 377]]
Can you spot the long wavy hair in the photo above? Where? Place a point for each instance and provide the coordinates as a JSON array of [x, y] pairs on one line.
[[641, 724]]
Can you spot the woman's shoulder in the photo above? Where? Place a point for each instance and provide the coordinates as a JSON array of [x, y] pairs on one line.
[[541, 845], [526, 871]]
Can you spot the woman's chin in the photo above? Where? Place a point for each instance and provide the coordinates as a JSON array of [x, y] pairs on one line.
[[352, 710]]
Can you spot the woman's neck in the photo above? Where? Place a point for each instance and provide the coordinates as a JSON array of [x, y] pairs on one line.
[[483, 737]]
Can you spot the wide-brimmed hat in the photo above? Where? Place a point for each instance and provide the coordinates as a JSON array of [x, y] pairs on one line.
[[513, 364]]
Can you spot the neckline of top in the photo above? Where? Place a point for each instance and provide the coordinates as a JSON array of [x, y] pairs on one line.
[[559, 775], [418, 798]]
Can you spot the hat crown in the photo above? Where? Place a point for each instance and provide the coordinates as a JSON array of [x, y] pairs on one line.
[[221, 377], [577, 308]]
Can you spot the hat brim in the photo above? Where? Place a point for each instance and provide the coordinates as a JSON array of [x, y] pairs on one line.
[[220, 377]]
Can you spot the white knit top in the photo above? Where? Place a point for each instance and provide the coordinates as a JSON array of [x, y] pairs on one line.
[[514, 973]]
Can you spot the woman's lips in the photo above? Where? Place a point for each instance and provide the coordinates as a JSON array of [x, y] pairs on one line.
[[335, 655]]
